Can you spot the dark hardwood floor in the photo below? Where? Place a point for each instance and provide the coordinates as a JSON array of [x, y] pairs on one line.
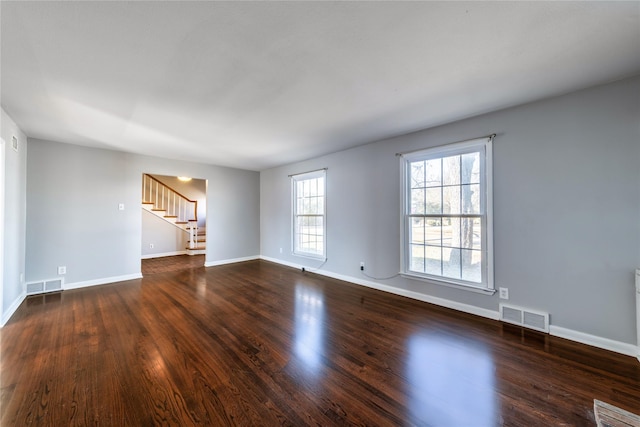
[[171, 263], [258, 344]]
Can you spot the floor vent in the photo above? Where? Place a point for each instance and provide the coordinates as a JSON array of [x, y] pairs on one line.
[[43, 286], [524, 317]]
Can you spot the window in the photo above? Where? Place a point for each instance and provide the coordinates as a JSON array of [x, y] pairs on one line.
[[309, 214], [447, 214]]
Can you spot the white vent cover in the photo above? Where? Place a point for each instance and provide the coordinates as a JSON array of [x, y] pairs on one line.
[[35, 288], [43, 286], [524, 317]]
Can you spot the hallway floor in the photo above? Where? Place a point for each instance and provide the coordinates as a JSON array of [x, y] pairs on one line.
[[171, 263]]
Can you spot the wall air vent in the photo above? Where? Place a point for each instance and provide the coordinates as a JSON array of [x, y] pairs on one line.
[[35, 288], [524, 317], [43, 286]]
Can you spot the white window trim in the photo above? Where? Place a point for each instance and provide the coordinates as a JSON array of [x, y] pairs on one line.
[[301, 177], [488, 285]]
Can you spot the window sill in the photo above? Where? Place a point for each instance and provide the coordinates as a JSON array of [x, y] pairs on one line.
[[464, 287]]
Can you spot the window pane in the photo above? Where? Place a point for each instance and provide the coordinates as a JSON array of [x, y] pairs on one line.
[[451, 200], [451, 232], [472, 265], [321, 186], [417, 201], [313, 205], [417, 175], [471, 233], [320, 225], [451, 170], [313, 187], [417, 230], [451, 263], [417, 258], [433, 262], [433, 230], [433, 173], [470, 198], [470, 168], [310, 234], [433, 200]]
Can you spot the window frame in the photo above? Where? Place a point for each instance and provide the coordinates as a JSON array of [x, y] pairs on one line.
[[484, 146], [295, 250]]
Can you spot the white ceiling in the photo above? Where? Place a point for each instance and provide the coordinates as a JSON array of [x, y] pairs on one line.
[[259, 84]]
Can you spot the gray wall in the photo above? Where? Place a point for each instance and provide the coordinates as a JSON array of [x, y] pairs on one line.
[[15, 179], [73, 217], [165, 237], [566, 208]]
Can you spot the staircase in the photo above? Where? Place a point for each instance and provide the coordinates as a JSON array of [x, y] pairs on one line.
[[171, 206]]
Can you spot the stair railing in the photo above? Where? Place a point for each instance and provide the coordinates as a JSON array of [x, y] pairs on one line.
[[167, 199]]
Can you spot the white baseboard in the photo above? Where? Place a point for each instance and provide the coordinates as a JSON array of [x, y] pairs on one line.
[[163, 254], [12, 309], [230, 261], [581, 337], [593, 340], [103, 281], [288, 264]]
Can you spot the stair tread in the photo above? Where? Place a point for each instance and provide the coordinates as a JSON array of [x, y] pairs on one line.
[[171, 216]]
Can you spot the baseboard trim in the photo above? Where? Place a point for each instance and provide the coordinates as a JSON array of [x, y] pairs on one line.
[[12, 309], [103, 281], [594, 340], [230, 261], [560, 332], [163, 254]]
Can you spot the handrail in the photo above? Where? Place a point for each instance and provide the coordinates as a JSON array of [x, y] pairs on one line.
[[163, 199], [161, 183]]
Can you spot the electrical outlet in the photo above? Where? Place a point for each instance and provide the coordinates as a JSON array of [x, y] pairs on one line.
[[504, 293], [62, 270], [280, 250], [150, 245], [121, 206], [361, 265]]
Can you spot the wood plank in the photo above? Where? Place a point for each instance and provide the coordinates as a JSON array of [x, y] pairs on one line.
[[256, 343]]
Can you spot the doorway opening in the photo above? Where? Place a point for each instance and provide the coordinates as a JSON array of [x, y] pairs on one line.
[[174, 222]]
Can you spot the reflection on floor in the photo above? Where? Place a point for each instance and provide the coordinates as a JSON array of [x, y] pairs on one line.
[[171, 263]]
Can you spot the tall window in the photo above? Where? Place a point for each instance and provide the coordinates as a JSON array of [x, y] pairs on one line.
[[447, 214], [309, 214]]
